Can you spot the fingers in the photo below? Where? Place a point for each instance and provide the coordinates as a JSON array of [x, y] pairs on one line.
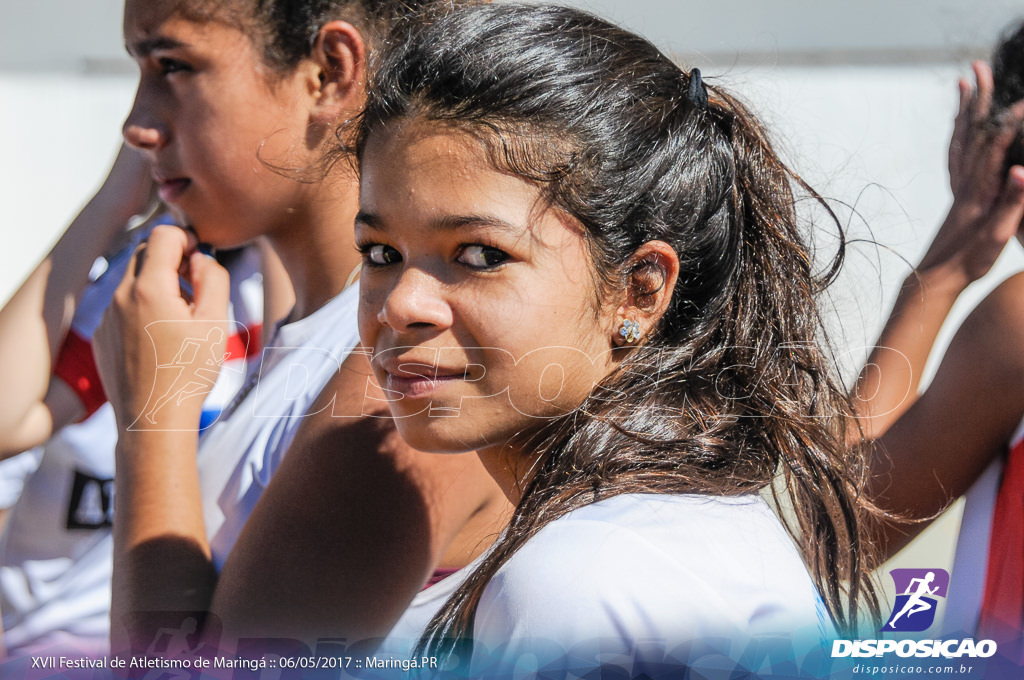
[[981, 103], [210, 286], [966, 92], [1000, 139], [1011, 120], [962, 122], [157, 262], [977, 134], [970, 126], [980, 140], [165, 248]]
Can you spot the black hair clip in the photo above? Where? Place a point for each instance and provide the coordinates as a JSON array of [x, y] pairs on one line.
[[698, 92]]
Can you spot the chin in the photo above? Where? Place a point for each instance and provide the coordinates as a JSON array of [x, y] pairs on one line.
[[217, 238], [424, 437], [179, 216]]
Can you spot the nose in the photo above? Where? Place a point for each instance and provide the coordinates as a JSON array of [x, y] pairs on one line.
[[143, 129], [416, 301]]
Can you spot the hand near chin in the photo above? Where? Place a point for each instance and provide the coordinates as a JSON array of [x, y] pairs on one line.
[[988, 201], [159, 350]]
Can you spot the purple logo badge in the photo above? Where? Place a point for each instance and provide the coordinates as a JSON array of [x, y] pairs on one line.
[[917, 593]]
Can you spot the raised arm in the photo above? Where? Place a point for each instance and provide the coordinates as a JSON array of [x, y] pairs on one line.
[[153, 342], [934, 452], [35, 322], [986, 213], [929, 448]]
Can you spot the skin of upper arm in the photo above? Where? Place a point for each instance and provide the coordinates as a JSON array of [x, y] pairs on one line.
[[350, 527], [34, 428], [965, 418], [60, 407]]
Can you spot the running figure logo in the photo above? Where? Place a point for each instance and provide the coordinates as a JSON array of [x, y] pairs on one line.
[[914, 610]]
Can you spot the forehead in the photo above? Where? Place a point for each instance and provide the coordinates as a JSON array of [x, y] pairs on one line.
[[444, 175], [433, 164], [160, 25], [147, 16], [417, 145]]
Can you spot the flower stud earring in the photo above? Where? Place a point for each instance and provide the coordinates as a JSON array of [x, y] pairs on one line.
[[630, 330]]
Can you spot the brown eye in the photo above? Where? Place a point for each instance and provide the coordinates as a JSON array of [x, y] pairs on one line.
[[169, 66], [381, 255], [482, 257]]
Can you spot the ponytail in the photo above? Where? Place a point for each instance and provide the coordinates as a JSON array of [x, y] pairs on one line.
[[804, 410]]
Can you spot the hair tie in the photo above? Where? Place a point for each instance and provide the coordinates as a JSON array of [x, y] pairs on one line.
[[698, 91]]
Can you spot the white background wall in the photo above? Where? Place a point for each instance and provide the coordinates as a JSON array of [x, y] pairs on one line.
[[860, 97]]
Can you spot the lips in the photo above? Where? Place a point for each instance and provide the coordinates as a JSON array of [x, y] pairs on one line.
[[171, 189], [415, 380], [418, 388]]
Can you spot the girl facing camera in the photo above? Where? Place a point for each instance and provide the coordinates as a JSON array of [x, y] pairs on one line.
[[586, 264]]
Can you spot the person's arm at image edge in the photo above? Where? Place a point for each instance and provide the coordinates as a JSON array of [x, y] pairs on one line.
[[986, 213], [35, 321], [934, 452]]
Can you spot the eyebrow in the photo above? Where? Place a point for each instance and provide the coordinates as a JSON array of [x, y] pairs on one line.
[[446, 223], [145, 47]]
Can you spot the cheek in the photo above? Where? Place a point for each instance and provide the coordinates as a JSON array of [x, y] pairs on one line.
[[553, 354], [554, 380], [369, 305]]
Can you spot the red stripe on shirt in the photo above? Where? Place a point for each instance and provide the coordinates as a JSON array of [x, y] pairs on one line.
[[1002, 606], [245, 343], [438, 576], [76, 365]]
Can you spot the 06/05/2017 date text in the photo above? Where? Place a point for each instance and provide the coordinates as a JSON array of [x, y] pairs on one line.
[[357, 663]]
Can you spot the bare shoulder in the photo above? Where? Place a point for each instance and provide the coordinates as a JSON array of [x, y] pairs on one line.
[[367, 517], [975, 401], [993, 334]]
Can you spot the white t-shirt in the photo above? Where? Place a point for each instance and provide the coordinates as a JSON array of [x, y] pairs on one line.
[[55, 556], [240, 452], [13, 473], [641, 582], [401, 642]]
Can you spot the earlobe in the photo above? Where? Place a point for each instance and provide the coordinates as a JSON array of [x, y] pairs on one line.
[[629, 332], [340, 57]]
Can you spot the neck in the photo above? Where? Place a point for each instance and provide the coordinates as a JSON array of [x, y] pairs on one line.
[[511, 469], [317, 248]]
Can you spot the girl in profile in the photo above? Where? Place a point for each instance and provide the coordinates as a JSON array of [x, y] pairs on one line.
[[237, 100]]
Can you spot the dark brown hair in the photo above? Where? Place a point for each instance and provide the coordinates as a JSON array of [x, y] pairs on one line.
[[1008, 81], [731, 393], [285, 30]]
